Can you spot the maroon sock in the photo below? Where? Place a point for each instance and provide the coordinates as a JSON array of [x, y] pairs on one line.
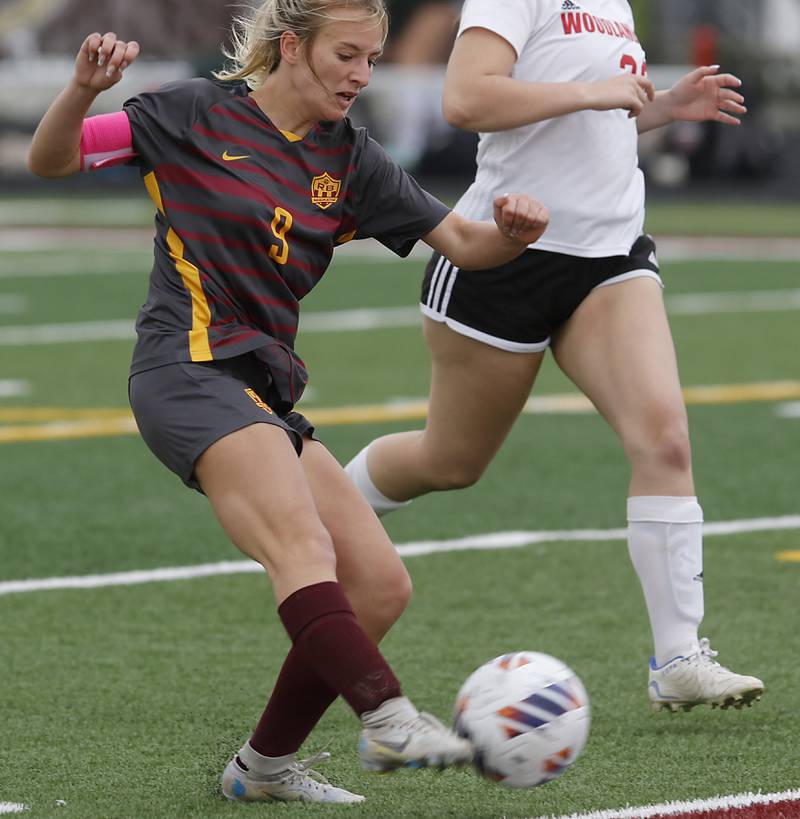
[[296, 705], [324, 630]]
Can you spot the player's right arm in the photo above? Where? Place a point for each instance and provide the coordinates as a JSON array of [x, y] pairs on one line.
[[55, 149], [480, 94]]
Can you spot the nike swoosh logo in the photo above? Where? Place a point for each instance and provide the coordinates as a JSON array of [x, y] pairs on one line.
[[231, 157], [397, 747]]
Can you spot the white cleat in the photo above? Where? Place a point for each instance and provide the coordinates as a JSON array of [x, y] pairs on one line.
[[298, 783], [697, 679], [396, 735]]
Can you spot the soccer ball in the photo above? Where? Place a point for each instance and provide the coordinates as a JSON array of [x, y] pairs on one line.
[[526, 714]]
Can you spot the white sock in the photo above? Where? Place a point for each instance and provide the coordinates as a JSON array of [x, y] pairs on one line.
[[665, 542], [359, 475], [389, 710], [264, 765]]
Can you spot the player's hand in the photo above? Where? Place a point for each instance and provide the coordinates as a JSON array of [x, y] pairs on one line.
[[703, 94], [102, 59], [627, 91], [520, 218]]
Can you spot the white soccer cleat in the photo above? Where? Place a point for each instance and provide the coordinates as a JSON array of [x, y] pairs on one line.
[[697, 679], [396, 735], [298, 783]]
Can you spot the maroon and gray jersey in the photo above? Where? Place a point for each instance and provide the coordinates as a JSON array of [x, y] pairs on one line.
[[247, 220]]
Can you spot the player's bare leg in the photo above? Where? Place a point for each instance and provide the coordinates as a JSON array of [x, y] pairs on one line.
[[260, 495], [367, 564], [277, 522], [477, 392], [618, 350], [379, 587]]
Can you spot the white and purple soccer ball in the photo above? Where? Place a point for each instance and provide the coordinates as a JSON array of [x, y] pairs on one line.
[[526, 714]]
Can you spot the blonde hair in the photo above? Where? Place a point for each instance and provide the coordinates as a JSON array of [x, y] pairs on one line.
[[256, 38]]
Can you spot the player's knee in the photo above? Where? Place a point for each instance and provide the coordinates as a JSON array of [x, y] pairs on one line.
[[312, 549], [462, 477], [672, 448], [666, 445], [393, 598], [455, 472]]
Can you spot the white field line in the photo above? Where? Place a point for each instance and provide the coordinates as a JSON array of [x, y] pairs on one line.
[[790, 409], [121, 329], [12, 303], [720, 803], [97, 263], [12, 807], [13, 388], [670, 248], [360, 319], [746, 301], [496, 540]]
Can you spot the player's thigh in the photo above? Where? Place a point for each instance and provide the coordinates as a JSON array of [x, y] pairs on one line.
[[367, 563], [618, 349], [261, 496], [477, 392]]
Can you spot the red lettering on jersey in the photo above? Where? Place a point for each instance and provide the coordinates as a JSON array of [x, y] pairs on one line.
[[571, 23], [578, 23]]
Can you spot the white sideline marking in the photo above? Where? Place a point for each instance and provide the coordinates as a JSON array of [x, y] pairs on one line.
[[323, 321], [13, 303], [790, 409], [743, 301], [72, 331], [496, 540], [98, 263], [743, 800], [12, 807], [327, 321], [12, 388]]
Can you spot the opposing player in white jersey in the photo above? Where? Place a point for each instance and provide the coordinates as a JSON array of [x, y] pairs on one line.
[[558, 90]]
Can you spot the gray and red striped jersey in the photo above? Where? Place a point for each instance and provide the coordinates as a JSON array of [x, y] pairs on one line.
[[247, 220]]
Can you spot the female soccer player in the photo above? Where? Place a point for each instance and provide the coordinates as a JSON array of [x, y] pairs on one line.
[[558, 92], [255, 179]]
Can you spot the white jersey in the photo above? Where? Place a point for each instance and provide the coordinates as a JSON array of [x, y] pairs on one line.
[[582, 166]]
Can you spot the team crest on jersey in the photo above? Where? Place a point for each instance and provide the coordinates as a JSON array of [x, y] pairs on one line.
[[325, 190]]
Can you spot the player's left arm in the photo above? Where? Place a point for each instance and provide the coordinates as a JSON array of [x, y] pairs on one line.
[[519, 222], [702, 95]]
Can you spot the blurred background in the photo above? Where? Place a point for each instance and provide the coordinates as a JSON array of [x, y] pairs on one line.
[[759, 40]]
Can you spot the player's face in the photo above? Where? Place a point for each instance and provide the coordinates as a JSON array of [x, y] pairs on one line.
[[340, 60]]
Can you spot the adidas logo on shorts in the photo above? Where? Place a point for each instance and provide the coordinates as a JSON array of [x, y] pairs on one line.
[[568, 5]]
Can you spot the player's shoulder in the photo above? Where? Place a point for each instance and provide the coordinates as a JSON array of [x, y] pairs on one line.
[[204, 89]]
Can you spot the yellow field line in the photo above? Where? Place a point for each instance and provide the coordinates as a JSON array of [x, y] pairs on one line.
[[788, 557], [24, 414], [62, 423]]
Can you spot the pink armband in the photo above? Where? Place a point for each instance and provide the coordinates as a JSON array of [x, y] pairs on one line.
[[106, 140]]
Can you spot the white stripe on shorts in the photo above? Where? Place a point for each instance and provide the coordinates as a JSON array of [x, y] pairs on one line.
[[643, 273], [437, 283], [434, 280], [449, 289], [442, 281], [485, 338]]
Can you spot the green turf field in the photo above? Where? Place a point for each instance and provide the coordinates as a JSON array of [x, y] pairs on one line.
[[127, 701]]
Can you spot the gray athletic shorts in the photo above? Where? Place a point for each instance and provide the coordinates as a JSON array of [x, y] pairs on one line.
[[183, 408]]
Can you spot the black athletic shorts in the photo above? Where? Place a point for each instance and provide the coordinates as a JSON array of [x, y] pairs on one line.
[[519, 305], [183, 408]]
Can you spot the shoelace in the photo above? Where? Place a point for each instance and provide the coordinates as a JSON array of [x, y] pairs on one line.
[[429, 722], [706, 654], [302, 768]]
